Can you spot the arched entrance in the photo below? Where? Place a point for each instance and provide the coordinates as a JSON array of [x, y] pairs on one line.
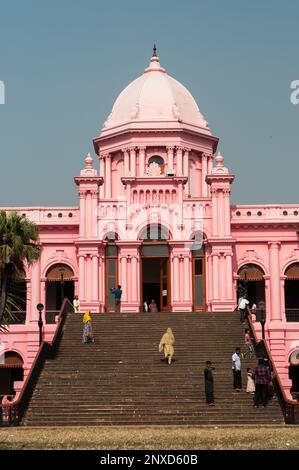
[[59, 284], [198, 276], [251, 284], [155, 272], [291, 289], [111, 270], [11, 370]]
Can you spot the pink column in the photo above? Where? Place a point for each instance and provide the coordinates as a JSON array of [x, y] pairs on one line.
[[210, 164], [123, 270], [179, 161], [275, 281], [100, 275], [95, 280], [267, 295], [88, 277], [186, 169], [181, 277], [141, 161], [220, 212], [215, 275], [134, 281], [187, 279], [128, 202], [88, 210], [204, 168], [209, 171], [227, 226], [28, 299], [175, 273], [180, 201], [82, 214], [108, 177], [170, 159], [228, 277], [133, 161], [103, 174], [81, 277], [209, 286], [126, 163], [94, 214], [214, 213], [35, 290]]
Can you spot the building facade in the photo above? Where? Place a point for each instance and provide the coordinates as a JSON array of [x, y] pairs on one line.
[[157, 219]]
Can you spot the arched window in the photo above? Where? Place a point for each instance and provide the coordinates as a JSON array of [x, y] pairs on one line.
[[156, 166], [154, 232], [291, 287]]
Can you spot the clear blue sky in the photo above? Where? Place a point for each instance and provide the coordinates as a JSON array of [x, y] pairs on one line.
[[64, 62]]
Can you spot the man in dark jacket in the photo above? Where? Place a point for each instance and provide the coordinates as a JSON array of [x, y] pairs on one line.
[[117, 296], [209, 384]]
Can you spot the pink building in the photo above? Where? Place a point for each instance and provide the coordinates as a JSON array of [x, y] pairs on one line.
[[157, 219]]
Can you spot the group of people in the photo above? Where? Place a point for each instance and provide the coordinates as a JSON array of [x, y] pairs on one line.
[[117, 292], [152, 307], [259, 381], [245, 311]]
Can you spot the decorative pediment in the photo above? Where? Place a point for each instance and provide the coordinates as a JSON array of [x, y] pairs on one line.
[[250, 255]]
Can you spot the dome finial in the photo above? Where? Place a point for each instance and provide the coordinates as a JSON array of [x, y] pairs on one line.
[[154, 51]]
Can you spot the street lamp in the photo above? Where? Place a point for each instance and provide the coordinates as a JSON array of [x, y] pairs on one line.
[[262, 316], [61, 270], [40, 308]]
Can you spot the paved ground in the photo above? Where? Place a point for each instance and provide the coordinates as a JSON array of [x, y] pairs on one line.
[[146, 438]]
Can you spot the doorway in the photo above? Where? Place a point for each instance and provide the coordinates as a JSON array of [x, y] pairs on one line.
[[251, 284], [59, 284], [156, 282]]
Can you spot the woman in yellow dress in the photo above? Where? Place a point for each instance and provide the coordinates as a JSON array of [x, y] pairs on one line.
[[166, 345], [87, 329]]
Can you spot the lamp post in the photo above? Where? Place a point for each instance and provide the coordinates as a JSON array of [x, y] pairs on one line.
[[40, 308], [261, 307], [61, 270]]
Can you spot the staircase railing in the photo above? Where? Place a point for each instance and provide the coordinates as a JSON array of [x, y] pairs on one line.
[[12, 414], [290, 408]]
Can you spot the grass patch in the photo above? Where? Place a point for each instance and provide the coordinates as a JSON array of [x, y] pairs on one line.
[[150, 438]]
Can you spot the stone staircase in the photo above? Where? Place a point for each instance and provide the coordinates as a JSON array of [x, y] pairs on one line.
[[120, 379]]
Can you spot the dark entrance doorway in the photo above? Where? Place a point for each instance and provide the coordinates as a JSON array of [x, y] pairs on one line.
[[155, 282], [251, 284], [291, 288], [59, 285]]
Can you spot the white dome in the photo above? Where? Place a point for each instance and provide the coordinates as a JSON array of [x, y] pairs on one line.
[[154, 98]]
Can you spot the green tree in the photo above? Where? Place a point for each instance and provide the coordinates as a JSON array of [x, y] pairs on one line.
[[18, 247]]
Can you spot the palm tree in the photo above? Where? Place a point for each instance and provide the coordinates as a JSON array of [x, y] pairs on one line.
[[18, 246]]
